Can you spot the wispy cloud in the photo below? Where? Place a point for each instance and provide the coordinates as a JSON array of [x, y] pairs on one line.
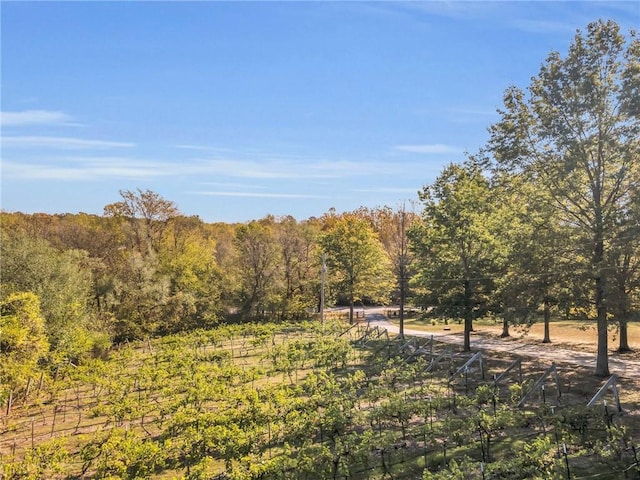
[[544, 26], [256, 194], [545, 18], [277, 169], [88, 169], [34, 117], [241, 154], [265, 170], [457, 9], [78, 167], [202, 148], [69, 143], [243, 186], [431, 148], [387, 190]]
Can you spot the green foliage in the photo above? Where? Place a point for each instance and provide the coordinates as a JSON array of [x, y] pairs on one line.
[[200, 404], [554, 221], [358, 265], [536, 459], [258, 262], [44, 461], [187, 259], [22, 340], [62, 282], [457, 470], [298, 245], [456, 245], [122, 454], [577, 136]]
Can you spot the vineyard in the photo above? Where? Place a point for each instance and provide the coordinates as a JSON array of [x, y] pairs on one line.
[[305, 400]]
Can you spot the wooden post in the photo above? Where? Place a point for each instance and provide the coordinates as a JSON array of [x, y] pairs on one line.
[[9, 402], [28, 389], [53, 423], [323, 276]]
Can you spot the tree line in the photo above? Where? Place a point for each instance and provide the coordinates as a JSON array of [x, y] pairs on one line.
[[543, 220]]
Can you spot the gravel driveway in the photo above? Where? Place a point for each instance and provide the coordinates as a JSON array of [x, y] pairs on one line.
[[621, 367]]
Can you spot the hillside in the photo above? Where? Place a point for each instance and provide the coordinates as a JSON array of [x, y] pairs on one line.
[[307, 401]]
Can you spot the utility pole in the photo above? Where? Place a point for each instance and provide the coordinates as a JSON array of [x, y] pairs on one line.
[[323, 275], [402, 269]]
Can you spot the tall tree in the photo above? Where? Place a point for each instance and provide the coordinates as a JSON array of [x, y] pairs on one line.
[[62, 282], [537, 249], [188, 259], [392, 227], [297, 243], [165, 271], [356, 260], [138, 297], [22, 339], [624, 262], [577, 133], [258, 266], [455, 244], [226, 258], [147, 213]]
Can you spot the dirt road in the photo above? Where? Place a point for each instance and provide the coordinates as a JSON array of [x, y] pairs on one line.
[[618, 365]]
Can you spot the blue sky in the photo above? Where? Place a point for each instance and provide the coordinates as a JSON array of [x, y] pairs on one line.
[[236, 110]]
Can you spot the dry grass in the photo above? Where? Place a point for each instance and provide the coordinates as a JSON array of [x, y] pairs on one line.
[[578, 334]]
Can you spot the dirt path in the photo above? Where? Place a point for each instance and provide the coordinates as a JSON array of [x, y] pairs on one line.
[[622, 367]]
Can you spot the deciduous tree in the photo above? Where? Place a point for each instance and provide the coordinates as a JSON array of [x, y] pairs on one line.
[[538, 257], [297, 243], [577, 132], [147, 214], [61, 280], [455, 244], [624, 261], [258, 262], [22, 339], [392, 227], [356, 260]]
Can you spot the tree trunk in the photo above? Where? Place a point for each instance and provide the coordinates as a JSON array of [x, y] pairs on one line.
[[622, 314], [402, 293], [351, 309], [402, 270], [505, 327], [547, 318], [468, 318], [624, 335], [602, 359]]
